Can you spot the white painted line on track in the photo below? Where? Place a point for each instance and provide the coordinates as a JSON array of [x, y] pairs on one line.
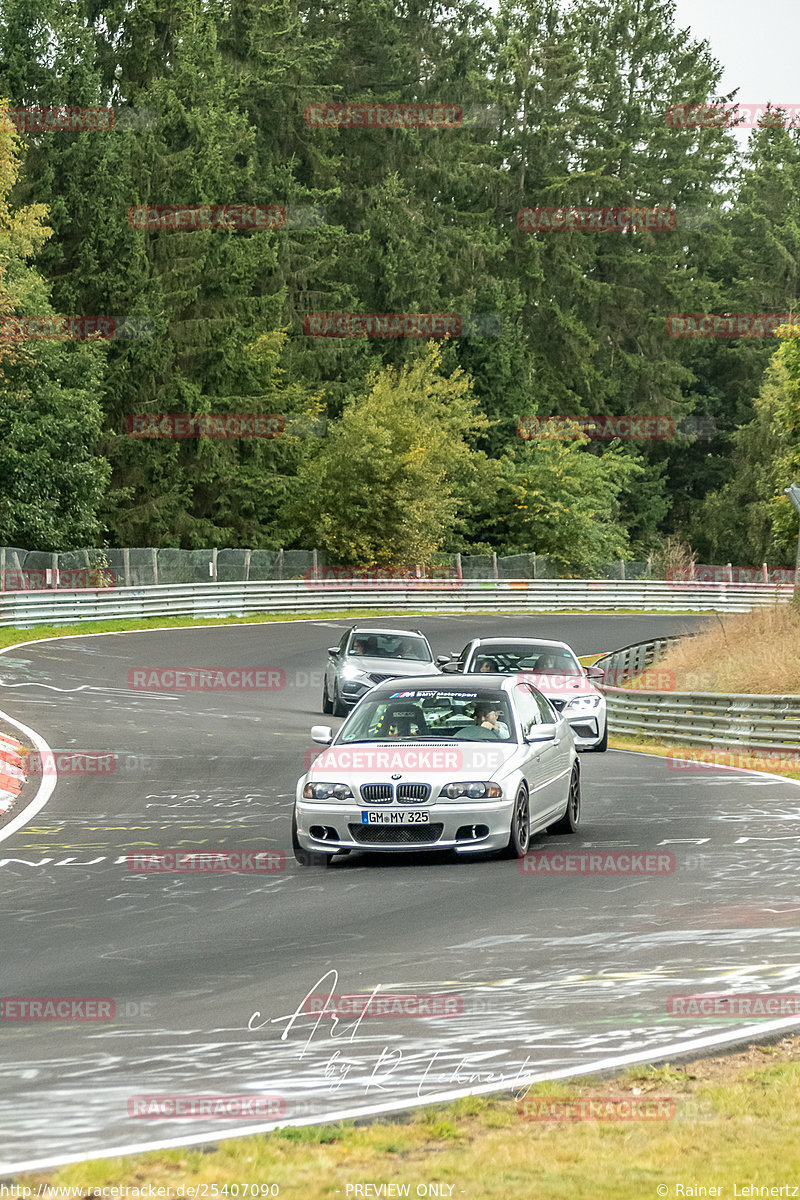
[[519, 1082], [649, 1055], [712, 767], [49, 779]]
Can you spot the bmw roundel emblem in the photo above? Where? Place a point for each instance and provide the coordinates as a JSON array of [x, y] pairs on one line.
[[397, 777]]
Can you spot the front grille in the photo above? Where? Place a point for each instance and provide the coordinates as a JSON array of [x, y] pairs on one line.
[[557, 704], [396, 835], [377, 793], [416, 792]]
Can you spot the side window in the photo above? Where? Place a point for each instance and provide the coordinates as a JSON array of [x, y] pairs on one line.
[[463, 656], [528, 708], [548, 715], [344, 641]]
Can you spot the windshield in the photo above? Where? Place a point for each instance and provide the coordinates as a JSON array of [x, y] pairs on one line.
[[508, 658], [430, 715], [390, 645]]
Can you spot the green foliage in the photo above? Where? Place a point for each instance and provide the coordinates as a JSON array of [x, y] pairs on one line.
[[384, 488], [51, 481], [559, 500], [564, 104], [750, 512]]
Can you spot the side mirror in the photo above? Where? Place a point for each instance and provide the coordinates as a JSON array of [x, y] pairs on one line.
[[595, 673], [443, 658], [450, 667], [323, 734], [333, 649], [541, 733]]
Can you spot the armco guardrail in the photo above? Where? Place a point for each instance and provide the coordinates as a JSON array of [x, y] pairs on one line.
[[24, 609], [695, 718]]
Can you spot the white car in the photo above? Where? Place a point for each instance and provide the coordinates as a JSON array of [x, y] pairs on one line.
[[553, 669], [469, 763]]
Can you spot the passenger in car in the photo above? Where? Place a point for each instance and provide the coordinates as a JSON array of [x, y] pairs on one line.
[[487, 717], [550, 662], [486, 725]]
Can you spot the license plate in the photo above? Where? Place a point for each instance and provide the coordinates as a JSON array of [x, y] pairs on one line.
[[412, 816]]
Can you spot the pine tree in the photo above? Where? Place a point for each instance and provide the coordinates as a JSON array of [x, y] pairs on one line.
[[51, 479]]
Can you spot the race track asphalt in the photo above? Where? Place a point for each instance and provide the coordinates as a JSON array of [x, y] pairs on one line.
[[551, 973]]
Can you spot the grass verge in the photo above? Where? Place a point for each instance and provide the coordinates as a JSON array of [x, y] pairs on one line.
[[757, 653], [708, 758], [721, 1122]]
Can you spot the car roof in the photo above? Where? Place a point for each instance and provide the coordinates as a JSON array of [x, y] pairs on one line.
[[367, 629], [522, 641], [443, 683]]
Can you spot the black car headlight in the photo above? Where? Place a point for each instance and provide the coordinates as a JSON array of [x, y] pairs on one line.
[[327, 791], [471, 791]]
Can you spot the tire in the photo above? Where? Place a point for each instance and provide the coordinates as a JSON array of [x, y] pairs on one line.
[[602, 745], [327, 707], [338, 709], [307, 858], [519, 835], [572, 815]]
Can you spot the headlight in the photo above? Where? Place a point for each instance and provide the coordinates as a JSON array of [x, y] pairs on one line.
[[351, 672], [327, 791], [584, 703], [472, 791]]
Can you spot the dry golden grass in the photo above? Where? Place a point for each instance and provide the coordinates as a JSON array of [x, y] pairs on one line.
[[756, 652], [778, 762]]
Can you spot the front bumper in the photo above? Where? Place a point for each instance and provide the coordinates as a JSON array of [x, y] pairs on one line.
[[465, 827], [351, 691], [588, 725], [587, 730]]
